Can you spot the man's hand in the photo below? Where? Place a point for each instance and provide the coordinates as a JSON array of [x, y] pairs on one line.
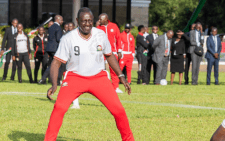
[[180, 32], [216, 55], [147, 42], [51, 91], [119, 55], [30, 56], [126, 84], [201, 29], [14, 58]]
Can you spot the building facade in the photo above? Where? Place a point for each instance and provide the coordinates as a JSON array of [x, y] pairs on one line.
[[30, 12]]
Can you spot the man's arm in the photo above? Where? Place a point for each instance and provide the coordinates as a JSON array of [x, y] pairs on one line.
[[59, 35], [220, 46], [208, 45], [192, 39], [156, 43], [118, 43], [53, 75], [111, 59], [143, 43], [3, 42]]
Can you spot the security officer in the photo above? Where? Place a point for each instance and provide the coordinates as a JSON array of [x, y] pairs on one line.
[[40, 56], [142, 52]]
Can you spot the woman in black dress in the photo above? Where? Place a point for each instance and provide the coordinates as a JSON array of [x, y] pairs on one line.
[[178, 55]]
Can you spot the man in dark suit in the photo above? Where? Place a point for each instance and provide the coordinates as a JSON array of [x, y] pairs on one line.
[[213, 55], [196, 40], [150, 38], [9, 32], [142, 46], [188, 56], [55, 34], [162, 46]]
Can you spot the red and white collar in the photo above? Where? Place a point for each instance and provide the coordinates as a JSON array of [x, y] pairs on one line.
[[82, 36]]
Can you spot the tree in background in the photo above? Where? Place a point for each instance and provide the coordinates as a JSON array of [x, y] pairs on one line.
[[171, 14]]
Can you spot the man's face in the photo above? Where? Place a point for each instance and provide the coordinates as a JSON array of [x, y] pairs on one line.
[[85, 22], [154, 29], [15, 23], [66, 27], [71, 27], [198, 26], [169, 35], [214, 32], [146, 29], [60, 20], [41, 31], [20, 28], [193, 26], [102, 19], [127, 30]]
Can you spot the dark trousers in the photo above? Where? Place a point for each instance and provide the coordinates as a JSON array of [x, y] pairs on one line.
[[150, 64], [40, 58], [187, 66], [47, 72], [23, 57], [142, 61], [213, 62], [8, 58]]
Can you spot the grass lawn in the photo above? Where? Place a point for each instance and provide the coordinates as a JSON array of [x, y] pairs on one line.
[[156, 113]]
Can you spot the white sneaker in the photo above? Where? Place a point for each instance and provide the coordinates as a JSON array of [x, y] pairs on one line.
[[118, 90], [75, 107]]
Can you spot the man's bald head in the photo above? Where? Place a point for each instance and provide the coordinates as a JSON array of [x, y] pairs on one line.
[[14, 22], [214, 31], [170, 34], [59, 19], [193, 26], [103, 19]]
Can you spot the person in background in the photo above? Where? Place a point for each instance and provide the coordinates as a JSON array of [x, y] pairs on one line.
[[142, 47], [196, 40], [40, 55], [65, 28], [113, 33], [55, 34], [213, 55], [162, 46], [188, 56], [9, 32], [71, 26], [146, 32], [128, 47], [178, 55], [151, 38], [206, 30], [21, 52]]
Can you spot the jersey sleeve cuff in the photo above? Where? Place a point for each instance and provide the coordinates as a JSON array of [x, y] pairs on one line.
[[108, 54], [57, 58]]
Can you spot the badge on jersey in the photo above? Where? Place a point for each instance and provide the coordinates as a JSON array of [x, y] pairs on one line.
[[111, 30], [64, 84], [131, 39], [99, 48]]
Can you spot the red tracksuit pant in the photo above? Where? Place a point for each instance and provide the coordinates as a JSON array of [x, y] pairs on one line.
[[99, 85], [114, 77], [127, 61]]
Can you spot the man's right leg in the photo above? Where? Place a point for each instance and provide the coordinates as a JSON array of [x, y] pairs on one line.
[[19, 66], [8, 58], [194, 59], [158, 73], [47, 71], [209, 69], [71, 89], [103, 90]]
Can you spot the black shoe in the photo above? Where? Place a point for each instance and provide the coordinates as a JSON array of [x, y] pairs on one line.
[[194, 84], [138, 82], [217, 84], [208, 84], [186, 83], [20, 81], [3, 79], [12, 79], [42, 81], [31, 81]]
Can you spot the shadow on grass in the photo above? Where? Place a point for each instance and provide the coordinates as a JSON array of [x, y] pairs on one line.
[[46, 99], [18, 135]]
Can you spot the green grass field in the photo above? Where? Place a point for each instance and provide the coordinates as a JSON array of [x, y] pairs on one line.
[[156, 113]]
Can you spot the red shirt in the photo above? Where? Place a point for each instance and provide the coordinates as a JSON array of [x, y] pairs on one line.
[[113, 34], [127, 42]]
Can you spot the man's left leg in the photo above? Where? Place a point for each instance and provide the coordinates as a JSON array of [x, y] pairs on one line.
[[165, 67], [129, 64], [216, 71], [103, 90]]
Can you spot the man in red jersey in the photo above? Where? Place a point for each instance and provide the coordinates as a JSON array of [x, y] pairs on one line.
[[128, 47], [83, 50], [113, 33]]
